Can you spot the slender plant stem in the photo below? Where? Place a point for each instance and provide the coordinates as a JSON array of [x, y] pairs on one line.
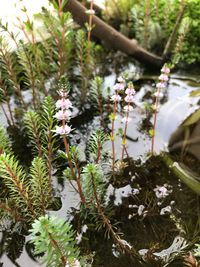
[[113, 135], [90, 27], [57, 247], [22, 191], [120, 245], [77, 179], [6, 115], [154, 122], [124, 134], [98, 152]]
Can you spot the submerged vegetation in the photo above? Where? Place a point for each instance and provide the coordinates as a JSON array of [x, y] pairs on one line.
[[67, 134]]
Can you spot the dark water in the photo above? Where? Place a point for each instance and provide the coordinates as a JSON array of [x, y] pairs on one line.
[[148, 219]]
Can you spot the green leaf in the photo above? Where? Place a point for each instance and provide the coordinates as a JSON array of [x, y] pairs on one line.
[[193, 118], [186, 176], [195, 93], [152, 132]]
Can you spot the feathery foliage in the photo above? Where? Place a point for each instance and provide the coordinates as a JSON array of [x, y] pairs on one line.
[[39, 184], [32, 121], [82, 61], [55, 237], [5, 145], [48, 123], [10, 70], [14, 177], [27, 198], [59, 26], [96, 145], [93, 177]]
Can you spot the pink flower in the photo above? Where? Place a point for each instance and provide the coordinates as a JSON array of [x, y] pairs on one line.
[[62, 115], [130, 91], [128, 108], [120, 79], [165, 70], [158, 94], [119, 86], [116, 98], [129, 98], [163, 78], [77, 263], [63, 103], [124, 120], [63, 130], [160, 85]]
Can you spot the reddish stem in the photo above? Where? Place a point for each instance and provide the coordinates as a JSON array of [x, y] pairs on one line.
[[112, 136], [154, 122], [124, 134], [90, 26]]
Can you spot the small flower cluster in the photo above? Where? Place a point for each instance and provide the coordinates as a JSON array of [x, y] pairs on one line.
[[63, 114], [129, 99], [90, 11], [119, 86], [163, 78], [75, 264]]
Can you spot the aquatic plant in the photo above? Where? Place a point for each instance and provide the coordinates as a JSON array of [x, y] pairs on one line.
[[96, 146], [129, 100], [94, 188], [163, 78], [5, 144], [63, 114], [90, 12], [96, 94], [54, 238], [115, 99], [39, 127], [10, 72]]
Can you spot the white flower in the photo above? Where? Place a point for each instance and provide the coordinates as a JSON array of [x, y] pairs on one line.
[[63, 104], [158, 94], [90, 12], [129, 98], [120, 79], [161, 191], [130, 91], [119, 86], [166, 210], [77, 263], [124, 120], [62, 115], [116, 98], [63, 130], [163, 78], [128, 108], [165, 70], [160, 85]]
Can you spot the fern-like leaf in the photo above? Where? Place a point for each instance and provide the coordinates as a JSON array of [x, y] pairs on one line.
[[5, 145], [39, 185], [55, 237], [32, 122], [96, 145], [94, 171], [14, 178]]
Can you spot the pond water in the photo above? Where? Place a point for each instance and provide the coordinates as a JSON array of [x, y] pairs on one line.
[[152, 207]]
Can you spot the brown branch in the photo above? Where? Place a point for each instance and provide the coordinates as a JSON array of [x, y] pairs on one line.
[[112, 37]]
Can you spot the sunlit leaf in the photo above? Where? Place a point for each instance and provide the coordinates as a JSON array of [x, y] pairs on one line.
[[193, 118]]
